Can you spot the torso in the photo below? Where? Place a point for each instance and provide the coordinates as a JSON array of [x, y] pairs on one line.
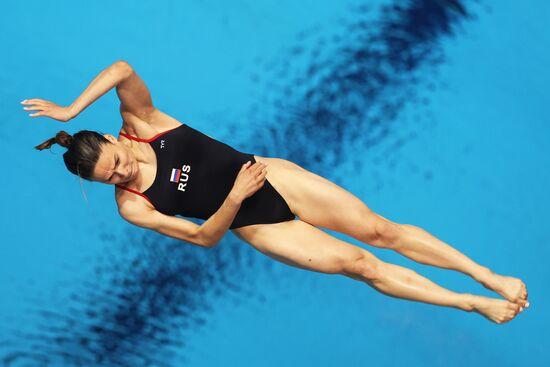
[[279, 170]]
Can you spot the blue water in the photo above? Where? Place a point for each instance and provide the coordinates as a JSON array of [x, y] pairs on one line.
[[432, 112]]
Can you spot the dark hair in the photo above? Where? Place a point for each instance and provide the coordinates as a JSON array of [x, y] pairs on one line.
[[82, 153]]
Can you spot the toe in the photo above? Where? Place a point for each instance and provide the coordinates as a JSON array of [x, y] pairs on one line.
[[522, 303]]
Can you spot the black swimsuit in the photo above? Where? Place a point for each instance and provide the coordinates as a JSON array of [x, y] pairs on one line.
[[195, 173]]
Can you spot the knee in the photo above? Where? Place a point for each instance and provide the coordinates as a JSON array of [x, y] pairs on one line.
[[365, 266], [384, 233]]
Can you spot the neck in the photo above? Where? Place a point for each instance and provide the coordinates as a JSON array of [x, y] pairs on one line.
[[139, 156], [136, 152]]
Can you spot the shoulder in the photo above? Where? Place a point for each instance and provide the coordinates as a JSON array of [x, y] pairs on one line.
[[146, 125], [136, 126], [134, 208]]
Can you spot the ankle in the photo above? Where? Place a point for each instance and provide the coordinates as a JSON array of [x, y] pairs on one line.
[[483, 274], [469, 302]]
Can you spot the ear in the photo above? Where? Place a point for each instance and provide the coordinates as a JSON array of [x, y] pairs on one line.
[[111, 138]]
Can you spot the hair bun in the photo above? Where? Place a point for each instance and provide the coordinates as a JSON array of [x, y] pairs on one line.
[[64, 139]]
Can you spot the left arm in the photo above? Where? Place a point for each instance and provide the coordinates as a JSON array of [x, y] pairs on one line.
[[134, 95]]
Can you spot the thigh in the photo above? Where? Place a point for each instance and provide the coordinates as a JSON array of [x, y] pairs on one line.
[[322, 203], [302, 245]]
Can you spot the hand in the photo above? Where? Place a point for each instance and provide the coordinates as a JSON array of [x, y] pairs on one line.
[[249, 180], [48, 109]]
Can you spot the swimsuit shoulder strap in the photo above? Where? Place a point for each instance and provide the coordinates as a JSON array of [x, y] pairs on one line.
[[135, 192], [146, 140]]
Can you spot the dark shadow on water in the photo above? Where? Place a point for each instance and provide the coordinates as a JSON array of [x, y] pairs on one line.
[[350, 85]]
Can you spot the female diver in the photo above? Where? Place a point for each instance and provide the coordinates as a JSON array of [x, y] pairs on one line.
[[162, 168]]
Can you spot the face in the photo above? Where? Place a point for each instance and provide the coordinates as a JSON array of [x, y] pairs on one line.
[[117, 164]]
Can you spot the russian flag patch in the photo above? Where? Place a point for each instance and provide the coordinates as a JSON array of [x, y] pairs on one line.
[[175, 176]]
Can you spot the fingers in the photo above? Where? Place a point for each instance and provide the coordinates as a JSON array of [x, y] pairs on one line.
[[258, 170], [255, 169], [252, 167], [258, 167], [245, 166], [33, 108], [262, 167], [261, 176], [35, 104], [33, 101]]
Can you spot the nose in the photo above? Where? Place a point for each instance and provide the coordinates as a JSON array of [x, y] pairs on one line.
[[125, 170]]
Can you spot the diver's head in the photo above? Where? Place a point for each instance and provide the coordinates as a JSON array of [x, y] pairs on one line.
[[95, 157]]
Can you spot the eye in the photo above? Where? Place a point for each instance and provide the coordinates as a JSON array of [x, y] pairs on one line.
[[116, 164]]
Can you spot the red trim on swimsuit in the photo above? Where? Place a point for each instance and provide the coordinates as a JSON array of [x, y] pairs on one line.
[[145, 140], [135, 192]]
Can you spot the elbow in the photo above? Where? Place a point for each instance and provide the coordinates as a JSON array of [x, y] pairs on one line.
[[211, 243], [207, 243], [203, 240], [124, 66]]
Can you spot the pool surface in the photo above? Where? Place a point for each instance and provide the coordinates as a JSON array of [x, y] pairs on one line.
[[433, 113]]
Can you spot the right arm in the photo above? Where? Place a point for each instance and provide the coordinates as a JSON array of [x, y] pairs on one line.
[[171, 226], [208, 234]]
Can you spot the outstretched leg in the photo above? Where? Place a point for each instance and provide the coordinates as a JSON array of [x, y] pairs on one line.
[[401, 282], [302, 245], [421, 246], [322, 203]]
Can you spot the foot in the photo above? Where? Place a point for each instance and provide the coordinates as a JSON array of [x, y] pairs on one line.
[[513, 289], [496, 310]]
